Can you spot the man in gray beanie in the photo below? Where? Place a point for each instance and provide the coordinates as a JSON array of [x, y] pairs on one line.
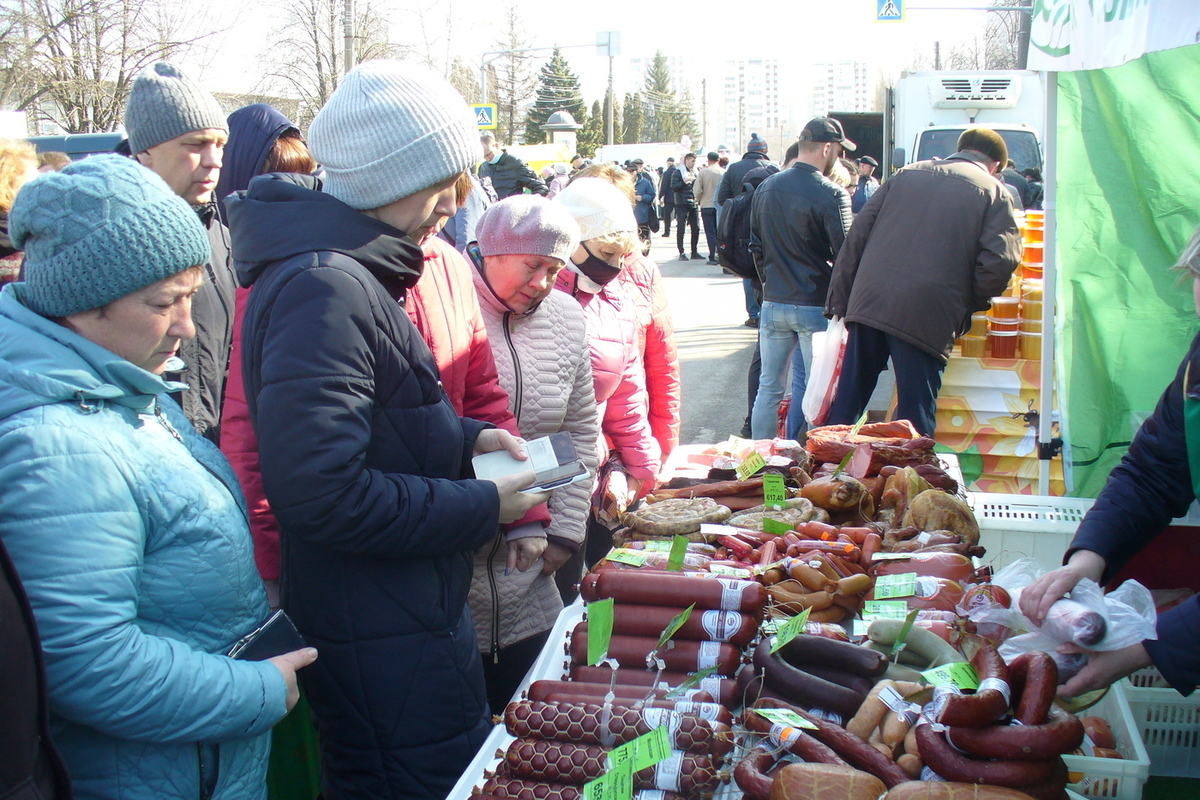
[[177, 130]]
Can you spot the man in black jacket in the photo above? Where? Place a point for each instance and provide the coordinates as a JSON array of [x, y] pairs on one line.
[[666, 194], [731, 181], [683, 184], [178, 130], [508, 174], [798, 221]]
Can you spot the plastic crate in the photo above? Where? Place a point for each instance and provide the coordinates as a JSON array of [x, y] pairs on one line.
[[1115, 778], [1013, 526], [1168, 723]]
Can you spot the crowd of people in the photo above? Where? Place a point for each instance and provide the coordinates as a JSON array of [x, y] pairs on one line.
[[245, 369]]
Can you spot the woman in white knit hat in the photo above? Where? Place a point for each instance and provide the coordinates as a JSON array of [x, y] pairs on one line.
[[364, 460], [609, 233], [539, 340]]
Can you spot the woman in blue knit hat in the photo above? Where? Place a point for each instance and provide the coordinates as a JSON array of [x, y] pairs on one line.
[[126, 527]]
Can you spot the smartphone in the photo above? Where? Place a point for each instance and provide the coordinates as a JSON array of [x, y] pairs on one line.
[[553, 460]]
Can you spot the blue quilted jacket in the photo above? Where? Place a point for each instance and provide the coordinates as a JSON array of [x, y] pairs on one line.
[[132, 542]]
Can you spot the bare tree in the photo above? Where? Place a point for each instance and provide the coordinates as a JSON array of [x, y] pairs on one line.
[[72, 63], [514, 77], [306, 56]]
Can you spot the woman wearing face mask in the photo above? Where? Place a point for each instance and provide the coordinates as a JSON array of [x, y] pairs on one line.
[[540, 344], [364, 460], [609, 233]]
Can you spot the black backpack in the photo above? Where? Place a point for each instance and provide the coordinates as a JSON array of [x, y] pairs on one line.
[[733, 230]]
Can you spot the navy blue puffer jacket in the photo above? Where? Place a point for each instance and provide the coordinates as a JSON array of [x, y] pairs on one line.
[[363, 460]]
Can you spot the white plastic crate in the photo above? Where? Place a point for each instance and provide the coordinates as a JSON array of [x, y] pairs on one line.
[[1168, 723], [1013, 526], [1114, 778]]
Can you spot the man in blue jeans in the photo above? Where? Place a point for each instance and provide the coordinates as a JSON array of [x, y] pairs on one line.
[[798, 221]]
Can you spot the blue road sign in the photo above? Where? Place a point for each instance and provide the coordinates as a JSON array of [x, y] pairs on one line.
[[889, 10], [485, 115]]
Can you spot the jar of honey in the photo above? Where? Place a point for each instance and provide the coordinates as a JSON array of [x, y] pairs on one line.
[[1031, 309], [1031, 325], [1031, 345], [1034, 253], [1034, 233], [995, 324], [973, 346], [1031, 289], [1006, 307], [1003, 343], [979, 325]]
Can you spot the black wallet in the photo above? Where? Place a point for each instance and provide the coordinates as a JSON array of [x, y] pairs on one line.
[[274, 637]]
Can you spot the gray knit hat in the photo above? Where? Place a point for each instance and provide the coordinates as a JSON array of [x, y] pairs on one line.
[[391, 129], [165, 103], [598, 207], [527, 224], [100, 229]]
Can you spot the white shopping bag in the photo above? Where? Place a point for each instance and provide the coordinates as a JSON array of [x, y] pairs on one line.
[[828, 350]]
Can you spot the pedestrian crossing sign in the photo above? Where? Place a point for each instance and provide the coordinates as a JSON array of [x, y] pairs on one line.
[[889, 10], [485, 115]]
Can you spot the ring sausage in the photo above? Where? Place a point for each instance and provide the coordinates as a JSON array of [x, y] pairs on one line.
[[1037, 675], [943, 759], [834, 654], [751, 773], [798, 742], [803, 687], [1061, 733], [989, 702]]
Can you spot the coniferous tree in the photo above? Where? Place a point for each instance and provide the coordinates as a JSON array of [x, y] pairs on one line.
[[632, 119], [557, 90], [591, 135], [683, 118], [658, 101]]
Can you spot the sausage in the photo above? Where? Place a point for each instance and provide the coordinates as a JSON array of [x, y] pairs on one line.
[[1036, 673], [682, 656], [510, 788], [797, 741], [751, 773], [1071, 621], [723, 690], [592, 723], [1061, 733], [872, 544], [926, 645], [803, 687], [540, 690], [989, 702], [943, 759], [681, 591], [701, 624], [1051, 788], [870, 713], [855, 751], [855, 683], [806, 649], [952, 566], [569, 762], [715, 489]]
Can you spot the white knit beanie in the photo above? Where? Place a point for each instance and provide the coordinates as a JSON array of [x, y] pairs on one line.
[[598, 207], [391, 129]]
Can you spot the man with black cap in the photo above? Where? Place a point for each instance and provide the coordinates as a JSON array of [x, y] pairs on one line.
[[798, 221], [866, 184], [178, 130], [935, 244]]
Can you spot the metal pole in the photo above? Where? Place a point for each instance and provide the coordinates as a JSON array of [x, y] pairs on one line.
[[483, 80], [1049, 280], [348, 29], [611, 105]]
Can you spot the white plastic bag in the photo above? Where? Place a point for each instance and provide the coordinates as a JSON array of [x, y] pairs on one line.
[[828, 350]]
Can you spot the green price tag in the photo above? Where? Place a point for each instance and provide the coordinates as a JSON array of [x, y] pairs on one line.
[[635, 558], [644, 751], [658, 545], [616, 784], [888, 586], [600, 625], [674, 626], [903, 635], [753, 463], [853, 432], [678, 551], [790, 629], [884, 609], [690, 683], [774, 493], [783, 716], [726, 571], [961, 675], [776, 527], [759, 569], [737, 444]]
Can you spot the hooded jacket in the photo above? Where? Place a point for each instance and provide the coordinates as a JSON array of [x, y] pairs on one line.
[[365, 463], [544, 365], [938, 236], [611, 316], [253, 131], [131, 539]]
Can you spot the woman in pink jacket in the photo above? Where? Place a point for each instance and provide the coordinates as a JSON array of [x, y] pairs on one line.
[[609, 234]]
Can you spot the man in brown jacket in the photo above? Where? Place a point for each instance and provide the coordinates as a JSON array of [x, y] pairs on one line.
[[933, 245]]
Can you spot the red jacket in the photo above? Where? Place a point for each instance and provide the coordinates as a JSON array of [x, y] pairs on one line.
[[612, 327], [445, 309], [656, 340]]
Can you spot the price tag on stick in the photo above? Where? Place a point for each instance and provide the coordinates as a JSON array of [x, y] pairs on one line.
[[776, 527], [784, 716], [634, 558], [961, 675], [644, 751], [673, 626], [678, 551], [600, 625], [616, 784], [903, 635], [753, 463], [691, 683], [790, 629], [774, 493]]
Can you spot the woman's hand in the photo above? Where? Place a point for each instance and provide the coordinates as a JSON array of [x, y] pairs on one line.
[[1037, 597], [553, 557], [288, 664], [492, 439], [1103, 668], [514, 503], [522, 553]]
